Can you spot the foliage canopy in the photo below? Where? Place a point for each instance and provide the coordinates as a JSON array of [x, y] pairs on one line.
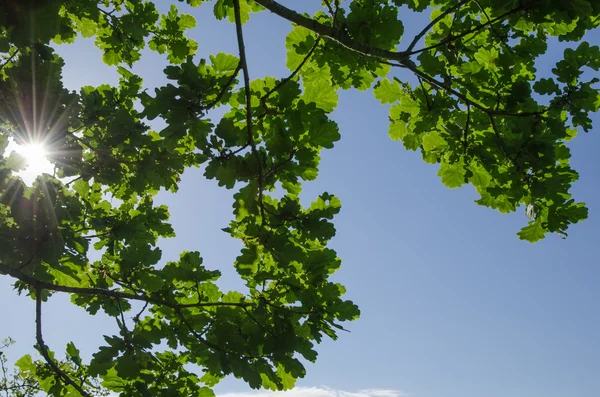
[[476, 107]]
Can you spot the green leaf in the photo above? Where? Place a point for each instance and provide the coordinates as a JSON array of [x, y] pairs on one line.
[[112, 381], [387, 91], [398, 130], [470, 67], [16, 162], [287, 380], [82, 188], [325, 134], [247, 263], [480, 177], [532, 232], [111, 58], [406, 105], [321, 94], [487, 58], [151, 282], [206, 392], [87, 27], [231, 134], [73, 353], [25, 363], [347, 311], [411, 141], [233, 297], [453, 175], [127, 367], [224, 63], [546, 86], [4, 44], [187, 21], [433, 141], [298, 43]]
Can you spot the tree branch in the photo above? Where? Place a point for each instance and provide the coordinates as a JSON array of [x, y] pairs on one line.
[[331, 33], [32, 281], [44, 349], [463, 97], [401, 57], [366, 50]]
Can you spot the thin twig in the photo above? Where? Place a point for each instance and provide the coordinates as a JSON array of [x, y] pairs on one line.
[[74, 180], [466, 131], [293, 74], [422, 33], [425, 94], [136, 318], [521, 7], [509, 48], [279, 165], [328, 4], [291, 309], [99, 235], [194, 332], [10, 59], [83, 141], [123, 323], [225, 87], [28, 262], [44, 349], [96, 150], [501, 142], [244, 62]]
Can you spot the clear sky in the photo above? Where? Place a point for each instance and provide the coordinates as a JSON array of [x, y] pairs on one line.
[[453, 303]]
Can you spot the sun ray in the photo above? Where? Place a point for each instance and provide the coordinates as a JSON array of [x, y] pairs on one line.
[[11, 192]]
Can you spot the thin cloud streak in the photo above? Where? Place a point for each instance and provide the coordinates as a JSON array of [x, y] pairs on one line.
[[312, 392], [318, 392]]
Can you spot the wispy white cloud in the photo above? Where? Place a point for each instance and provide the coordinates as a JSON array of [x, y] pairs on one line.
[[317, 392], [313, 392]]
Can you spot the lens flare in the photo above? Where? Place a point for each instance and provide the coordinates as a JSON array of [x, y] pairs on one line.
[[37, 163]]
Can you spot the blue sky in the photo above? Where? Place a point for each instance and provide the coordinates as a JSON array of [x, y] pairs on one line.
[[453, 304]]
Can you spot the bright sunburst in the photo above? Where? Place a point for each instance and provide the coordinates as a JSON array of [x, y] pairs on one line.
[[37, 162]]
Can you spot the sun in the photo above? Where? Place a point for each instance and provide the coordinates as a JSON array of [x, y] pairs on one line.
[[35, 155]]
